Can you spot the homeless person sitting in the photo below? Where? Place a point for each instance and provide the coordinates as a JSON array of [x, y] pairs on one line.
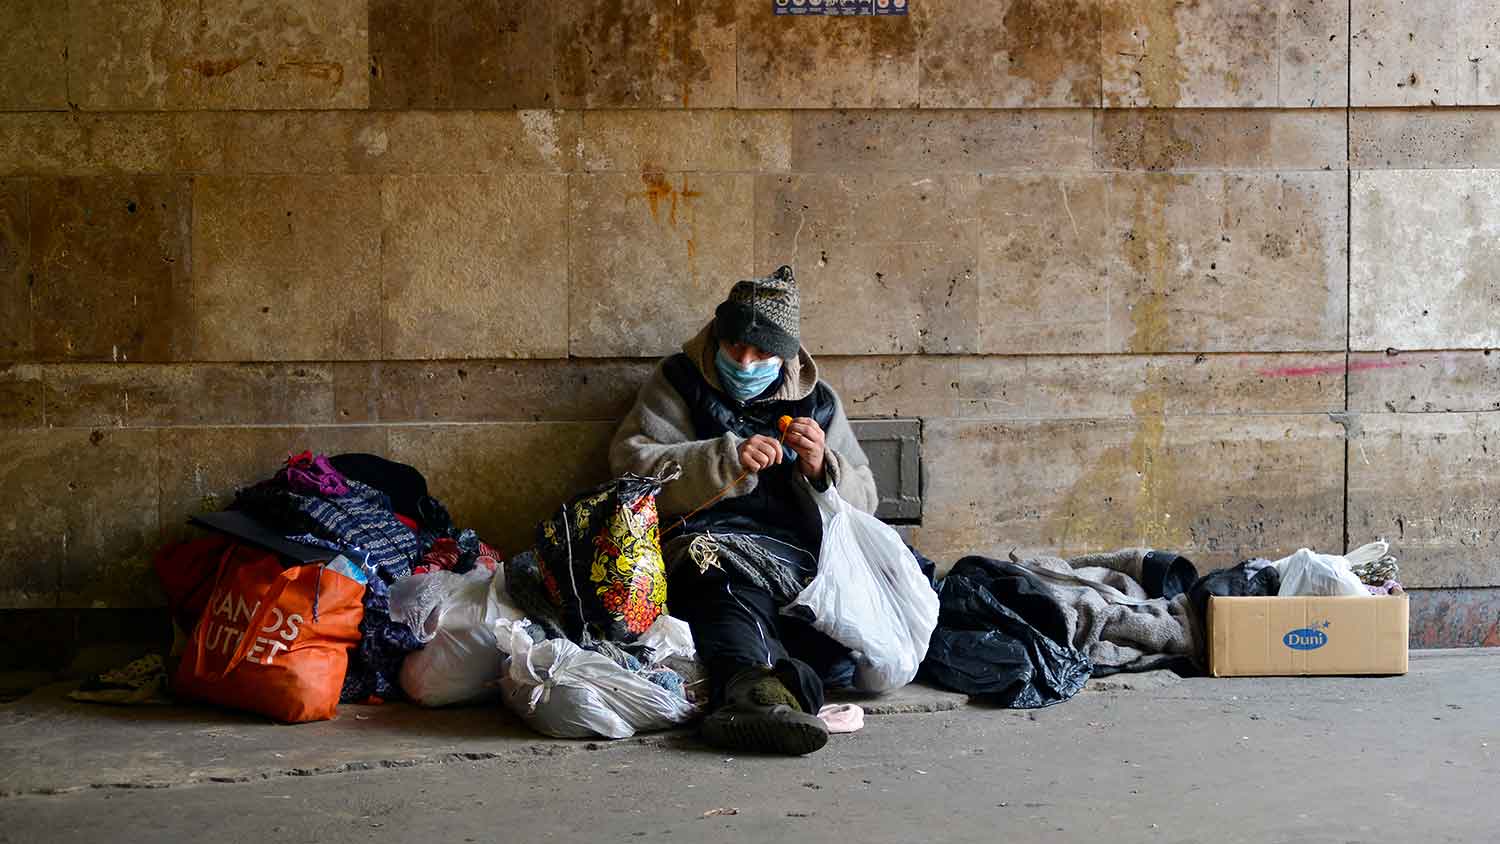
[[714, 410]]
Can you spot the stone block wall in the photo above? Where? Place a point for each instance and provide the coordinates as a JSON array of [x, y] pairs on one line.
[[1219, 275]]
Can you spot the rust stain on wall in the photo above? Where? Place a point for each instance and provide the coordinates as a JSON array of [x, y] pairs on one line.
[[659, 190], [1148, 251], [636, 52], [325, 71], [1151, 140], [1150, 508], [1047, 38], [1153, 24]]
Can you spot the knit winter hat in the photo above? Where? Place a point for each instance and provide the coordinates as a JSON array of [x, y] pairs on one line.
[[766, 312]]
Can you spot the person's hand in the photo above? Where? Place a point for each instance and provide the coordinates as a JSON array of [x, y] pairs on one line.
[[805, 436], [759, 452]]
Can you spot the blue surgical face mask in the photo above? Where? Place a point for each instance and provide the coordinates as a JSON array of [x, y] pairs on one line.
[[746, 381]]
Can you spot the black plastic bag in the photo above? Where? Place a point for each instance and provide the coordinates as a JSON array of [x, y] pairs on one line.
[[1001, 637]]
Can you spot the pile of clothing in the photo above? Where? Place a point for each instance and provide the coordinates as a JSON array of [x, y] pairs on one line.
[[1029, 633], [436, 621]]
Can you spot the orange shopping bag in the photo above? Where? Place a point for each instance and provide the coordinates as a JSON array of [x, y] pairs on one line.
[[273, 640]]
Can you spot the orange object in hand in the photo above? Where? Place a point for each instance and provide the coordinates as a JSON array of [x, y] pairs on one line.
[[783, 423]]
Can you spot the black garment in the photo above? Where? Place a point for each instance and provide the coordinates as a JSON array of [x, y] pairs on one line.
[[1001, 635], [736, 626], [402, 484], [1250, 579], [1166, 575], [772, 507]]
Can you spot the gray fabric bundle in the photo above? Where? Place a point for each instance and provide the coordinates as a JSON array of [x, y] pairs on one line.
[[1110, 616]]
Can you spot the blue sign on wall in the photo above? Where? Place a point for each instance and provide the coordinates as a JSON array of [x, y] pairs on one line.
[[839, 7]]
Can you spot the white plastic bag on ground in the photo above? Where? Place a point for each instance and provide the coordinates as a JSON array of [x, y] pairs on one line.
[[1308, 573], [564, 691], [669, 637], [869, 595], [455, 614]]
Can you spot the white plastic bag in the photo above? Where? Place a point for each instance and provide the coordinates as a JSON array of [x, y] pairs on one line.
[[869, 595], [1308, 573], [455, 614], [669, 637], [567, 692]]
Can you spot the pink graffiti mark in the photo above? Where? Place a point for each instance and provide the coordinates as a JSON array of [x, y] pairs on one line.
[[1331, 368]]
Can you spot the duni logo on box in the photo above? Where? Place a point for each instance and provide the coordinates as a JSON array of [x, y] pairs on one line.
[[1306, 638]]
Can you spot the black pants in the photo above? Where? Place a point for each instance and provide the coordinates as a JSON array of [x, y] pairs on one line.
[[736, 626]]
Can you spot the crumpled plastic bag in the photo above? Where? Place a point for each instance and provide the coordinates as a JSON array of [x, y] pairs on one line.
[[1308, 573], [869, 595], [667, 638], [562, 690], [455, 615]]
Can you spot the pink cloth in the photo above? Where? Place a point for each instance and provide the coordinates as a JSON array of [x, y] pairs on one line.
[[842, 717]]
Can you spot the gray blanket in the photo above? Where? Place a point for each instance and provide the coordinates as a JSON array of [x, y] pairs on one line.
[[1109, 615]]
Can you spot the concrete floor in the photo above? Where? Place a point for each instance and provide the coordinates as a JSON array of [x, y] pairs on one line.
[[1148, 758]]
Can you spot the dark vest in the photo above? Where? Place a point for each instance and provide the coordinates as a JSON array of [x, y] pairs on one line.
[[772, 507]]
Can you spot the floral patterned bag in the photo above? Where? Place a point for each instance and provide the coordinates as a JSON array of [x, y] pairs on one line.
[[600, 559]]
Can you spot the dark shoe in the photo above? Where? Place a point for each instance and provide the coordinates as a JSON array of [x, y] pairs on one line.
[[761, 715]]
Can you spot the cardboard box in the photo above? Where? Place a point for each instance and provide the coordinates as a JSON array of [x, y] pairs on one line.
[[1265, 637]]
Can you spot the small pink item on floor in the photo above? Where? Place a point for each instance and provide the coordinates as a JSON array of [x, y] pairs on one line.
[[842, 717]]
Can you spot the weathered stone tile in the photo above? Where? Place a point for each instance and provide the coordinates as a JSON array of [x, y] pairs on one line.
[[638, 241], [20, 396], [1424, 382], [929, 141], [1231, 263], [33, 55], [1008, 54], [15, 271], [648, 53], [133, 55], [826, 62], [488, 391], [202, 467], [1414, 53], [1455, 618], [291, 142], [1426, 483], [109, 257], [467, 142], [1426, 245], [248, 143], [1313, 54], [1412, 138], [1218, 489], [1045, 264], [1220, 139], [463, 54], [474, 266], [145, 395], [286, 268], [1076, 386], [636, 141], [218, 54], [71, 144], [490, 478], [885, 262], [905, 386], [1223, 53], [80, 520], [1158, 263]]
